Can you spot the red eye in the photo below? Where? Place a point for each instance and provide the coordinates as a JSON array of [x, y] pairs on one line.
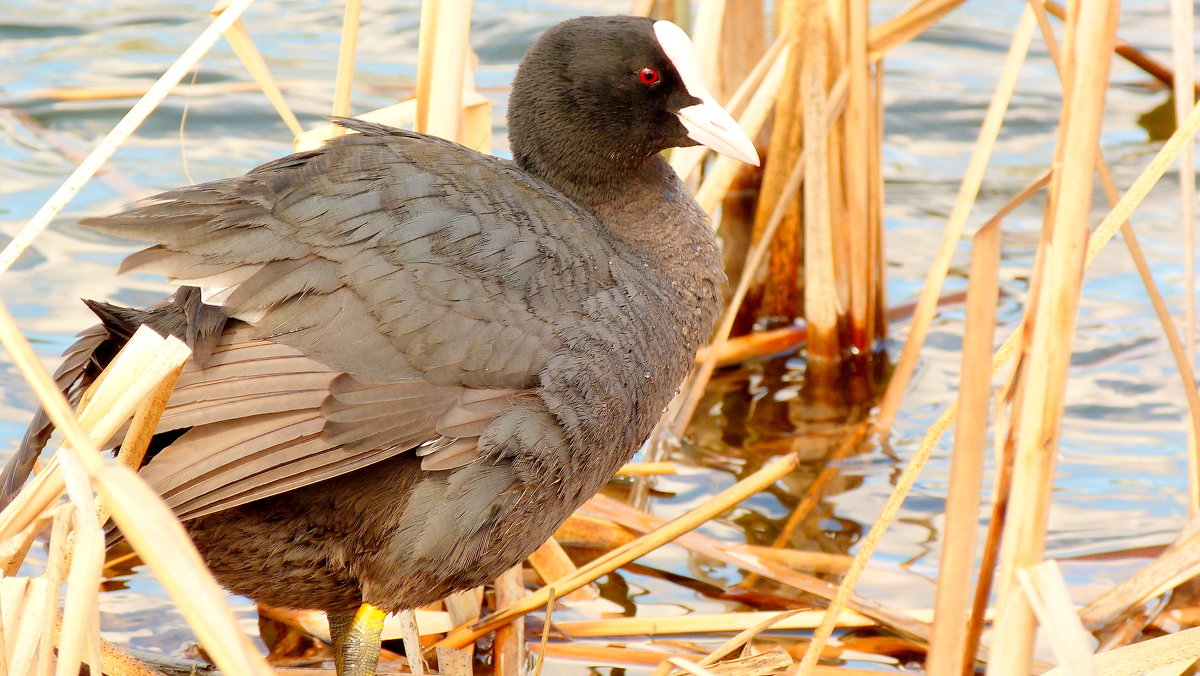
[[648, 76]]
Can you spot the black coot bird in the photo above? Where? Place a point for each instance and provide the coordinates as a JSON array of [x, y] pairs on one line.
[[412, 361]]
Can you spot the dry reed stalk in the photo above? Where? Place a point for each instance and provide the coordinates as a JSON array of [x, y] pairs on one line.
[[462, 606], [856, 161], [1181, 355], [737, 555], [686, 666], [345, 67], [239, 39], [1047, 593], [744, 637], [14, 548], [553, 564], [910, 23], [80, 618], [1103, 233], [601, 533], [1183, 49], [1137, 589], [453, 663], [145, 421], [141, 515], [426, 42], [24, 598], [604, 654], [989, 131], [139, 112], [642, 7], [57, 567], [117, 662], [442, 63], [622, 555], [477, 126], [1177, 669], [813, 562], [947, 656], [821, 307], [877, 326], [411, 636], [508, 654], [680, 412], [1178, 564], [1140, 658], [780, 294], [1045, 355], [701, 623], [648, 468]]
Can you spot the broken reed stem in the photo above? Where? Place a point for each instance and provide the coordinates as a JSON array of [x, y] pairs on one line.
[[713, 507], [821, 307], [989, 131], [139, 112], [1140, 658], [1047, 593], [947, 656], [856, 174], [345, 68]]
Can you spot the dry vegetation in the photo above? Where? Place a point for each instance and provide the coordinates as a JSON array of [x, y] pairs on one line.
[[810, 248]]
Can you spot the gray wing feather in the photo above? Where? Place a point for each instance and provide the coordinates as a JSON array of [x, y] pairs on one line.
[[397, 292]]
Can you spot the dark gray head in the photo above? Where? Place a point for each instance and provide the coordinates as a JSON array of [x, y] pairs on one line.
[[596, 97]]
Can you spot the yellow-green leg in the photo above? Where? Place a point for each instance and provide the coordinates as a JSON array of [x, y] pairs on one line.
[[356, 640]]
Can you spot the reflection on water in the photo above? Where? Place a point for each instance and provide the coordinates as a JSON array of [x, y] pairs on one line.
[[1121, 473]]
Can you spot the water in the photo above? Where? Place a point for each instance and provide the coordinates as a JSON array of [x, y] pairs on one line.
[[1121, 473]]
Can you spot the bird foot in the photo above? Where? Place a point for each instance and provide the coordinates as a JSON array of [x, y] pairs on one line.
[[356, 638]]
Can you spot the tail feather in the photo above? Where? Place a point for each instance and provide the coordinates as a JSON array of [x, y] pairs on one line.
[[82, 363], [183, 315]]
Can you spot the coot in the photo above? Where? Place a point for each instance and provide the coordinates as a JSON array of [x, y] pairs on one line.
[[412, 361]]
